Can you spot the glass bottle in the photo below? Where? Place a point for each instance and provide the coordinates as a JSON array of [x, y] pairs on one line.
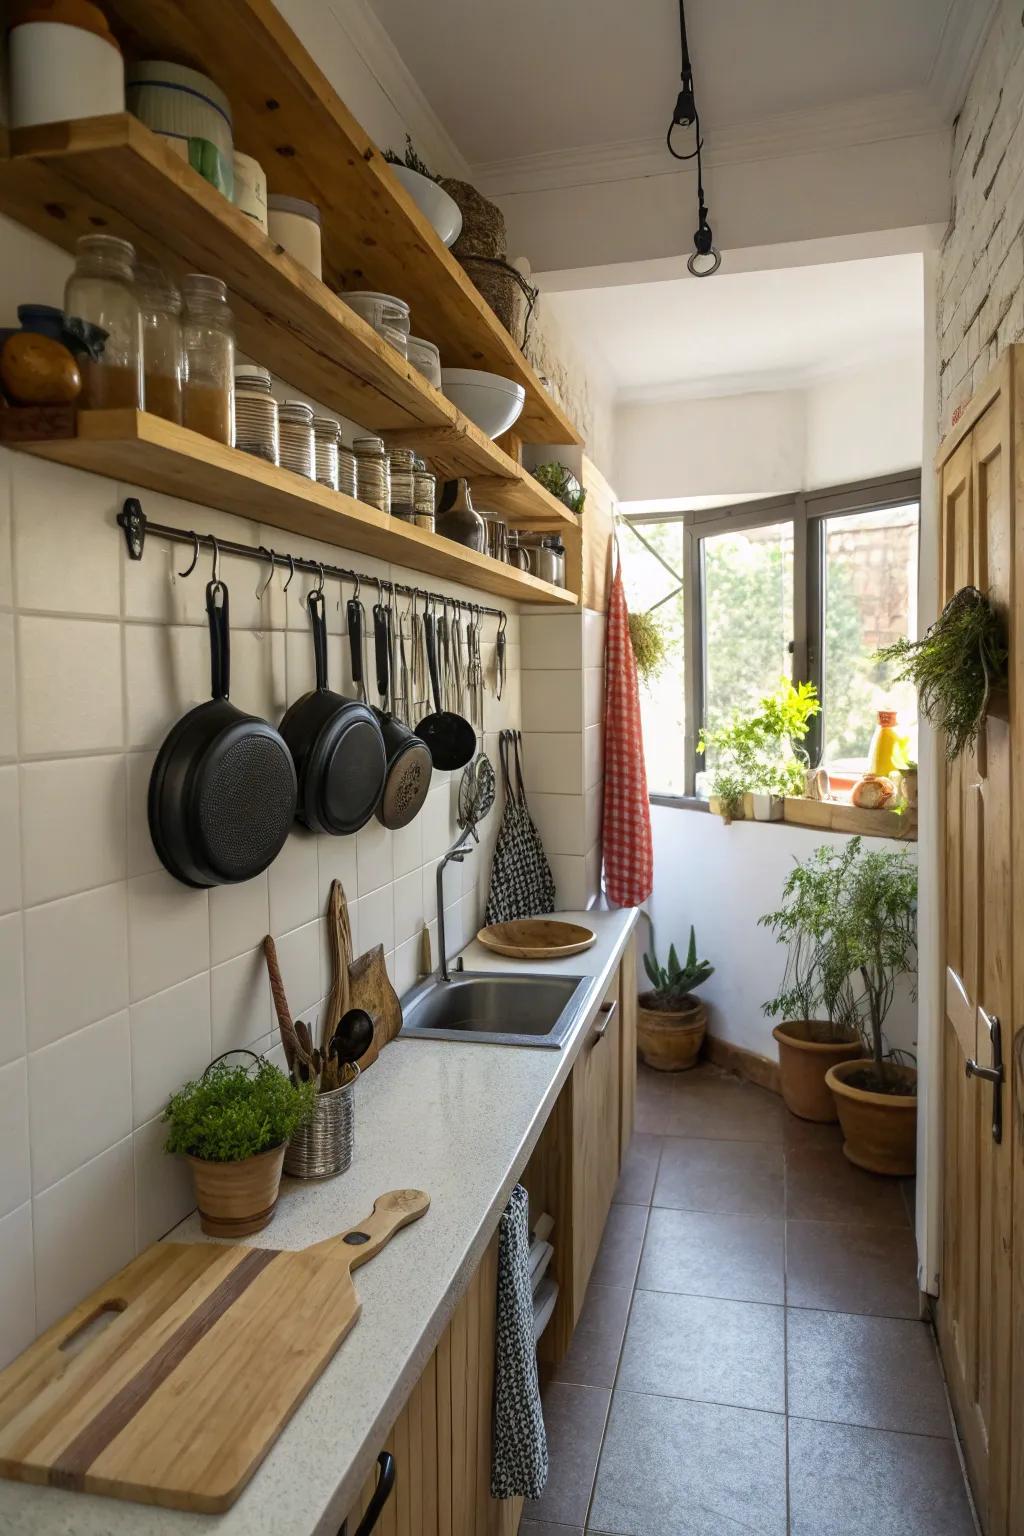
[[884, 744], [101, 293], [209, 337], [162, 351]]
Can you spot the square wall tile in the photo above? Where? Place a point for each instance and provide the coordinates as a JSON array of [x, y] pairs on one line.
[[12, 989], [8, 710], [594, 627], [552, 701], [337, 860], [163, 1185], [258, 670], [171, 1044], [15, 1185], [438, 825], [17, 1284], [58, 510], [551, 641], [375, 855], [168, 932], [69, 686], [561, 822], [571, 891], [141, 856], [80, 1098], [76, 962], [167, 672], [553, 762], [294, 883], [407, 847], [593, 756], [408, 897], [239, 917], [241, 1008], [10, 841], [6, 553], [298, 954], [377, 919], [73, 825], [407, 965], [593, 696], [84, 1231]]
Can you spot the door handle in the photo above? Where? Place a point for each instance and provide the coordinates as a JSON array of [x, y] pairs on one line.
[[995, 1074], [606, 1013]]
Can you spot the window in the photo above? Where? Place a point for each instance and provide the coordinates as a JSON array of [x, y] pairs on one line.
[[806, 586]]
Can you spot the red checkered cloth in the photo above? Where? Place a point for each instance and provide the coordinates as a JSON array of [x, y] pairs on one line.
[[628, 851]]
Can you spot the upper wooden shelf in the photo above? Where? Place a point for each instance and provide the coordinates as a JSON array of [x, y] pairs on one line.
[[111, 173], [288, 115], [145, 450]]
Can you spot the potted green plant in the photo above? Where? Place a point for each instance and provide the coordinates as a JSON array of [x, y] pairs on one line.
[[232, 1126], [760, 754], [671, 1022]]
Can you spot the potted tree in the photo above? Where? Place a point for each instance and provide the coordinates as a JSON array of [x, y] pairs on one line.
[[816, 1002], [671, 1022], [758, 758], [232, 1126], [875, 930]]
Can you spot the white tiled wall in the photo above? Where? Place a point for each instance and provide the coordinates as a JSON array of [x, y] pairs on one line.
[[116, 982]]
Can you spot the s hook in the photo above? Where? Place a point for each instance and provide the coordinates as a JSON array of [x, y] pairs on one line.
[[261, 589], [291, 573], [195, 554], [216, 557]]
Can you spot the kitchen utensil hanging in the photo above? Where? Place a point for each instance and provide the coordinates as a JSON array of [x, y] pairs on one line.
[[521, 881], [409, 763], [450, 737]]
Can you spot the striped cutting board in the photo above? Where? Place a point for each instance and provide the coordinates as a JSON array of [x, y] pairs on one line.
[[171, 1382]]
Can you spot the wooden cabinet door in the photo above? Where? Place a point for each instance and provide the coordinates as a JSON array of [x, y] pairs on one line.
[[975, 1313], [595, 1150]]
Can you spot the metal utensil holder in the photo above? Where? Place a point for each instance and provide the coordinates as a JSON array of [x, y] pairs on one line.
[[323, 1148]]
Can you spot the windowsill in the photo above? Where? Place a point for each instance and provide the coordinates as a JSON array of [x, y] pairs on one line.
[[826, 815]]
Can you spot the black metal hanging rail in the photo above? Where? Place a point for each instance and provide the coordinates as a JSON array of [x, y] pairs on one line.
[[137, 527]]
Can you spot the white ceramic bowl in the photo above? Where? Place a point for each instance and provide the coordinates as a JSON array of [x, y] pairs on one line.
[[492, 403], [442, 211]]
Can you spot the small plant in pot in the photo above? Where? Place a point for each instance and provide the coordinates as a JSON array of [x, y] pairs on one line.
[[671, 1022], [760, 753], [232, 1126]]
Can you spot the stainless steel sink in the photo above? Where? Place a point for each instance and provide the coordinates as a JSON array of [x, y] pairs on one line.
[[496, 1009]]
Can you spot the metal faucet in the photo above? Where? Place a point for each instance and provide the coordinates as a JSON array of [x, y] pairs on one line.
[[455, 855]]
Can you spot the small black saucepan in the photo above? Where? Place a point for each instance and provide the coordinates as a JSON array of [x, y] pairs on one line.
[[450, 737], [410, 765], [337, 747], [222, 790]]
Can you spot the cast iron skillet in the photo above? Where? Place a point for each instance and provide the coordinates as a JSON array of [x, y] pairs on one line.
[[450, 737], [337, 747], [410, 766], [222, 790]]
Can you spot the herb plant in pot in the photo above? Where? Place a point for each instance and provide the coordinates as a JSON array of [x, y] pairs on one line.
[[232, 1126], [671, 1022], [759, 754]]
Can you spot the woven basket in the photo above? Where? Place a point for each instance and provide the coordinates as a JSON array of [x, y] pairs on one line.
[[504, 291], [483, 223]]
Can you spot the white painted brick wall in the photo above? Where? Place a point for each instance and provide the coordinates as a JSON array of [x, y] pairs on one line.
[[981, 272]]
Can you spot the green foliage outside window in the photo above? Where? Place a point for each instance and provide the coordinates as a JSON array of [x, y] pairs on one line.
[[760, 751]]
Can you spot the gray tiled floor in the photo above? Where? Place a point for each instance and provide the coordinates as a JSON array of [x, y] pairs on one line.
[[749, 1357]]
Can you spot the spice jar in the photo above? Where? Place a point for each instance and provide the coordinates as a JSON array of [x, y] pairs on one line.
[[346, 470], [209, 338], [326, 437], [297, 447], [425, 496], [373, 473], [100, 292], [403, 483], [163, 355], [256, 429]]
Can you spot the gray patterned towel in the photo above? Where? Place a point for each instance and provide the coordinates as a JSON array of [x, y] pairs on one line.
[[519, 1454]]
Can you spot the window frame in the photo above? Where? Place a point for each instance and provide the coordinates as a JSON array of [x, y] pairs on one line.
[[807, 511]]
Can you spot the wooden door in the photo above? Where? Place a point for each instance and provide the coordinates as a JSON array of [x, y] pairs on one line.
[[975, 1311]]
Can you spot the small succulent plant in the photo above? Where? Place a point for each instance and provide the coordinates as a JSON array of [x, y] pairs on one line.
[[672, 983]]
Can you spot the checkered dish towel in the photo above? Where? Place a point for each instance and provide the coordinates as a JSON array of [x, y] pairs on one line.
[[628, 852]]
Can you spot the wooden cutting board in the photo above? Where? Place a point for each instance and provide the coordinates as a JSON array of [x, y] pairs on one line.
[[212, 1348]]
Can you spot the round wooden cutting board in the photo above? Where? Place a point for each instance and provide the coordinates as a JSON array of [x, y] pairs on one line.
[[537, 938]]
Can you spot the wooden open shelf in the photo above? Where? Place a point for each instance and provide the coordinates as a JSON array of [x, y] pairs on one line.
[[287, 114], [146, 450], [112, 174]]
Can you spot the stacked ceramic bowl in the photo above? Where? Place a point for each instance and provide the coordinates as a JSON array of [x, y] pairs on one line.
[[491, 402], [388, 316], [190, 111]]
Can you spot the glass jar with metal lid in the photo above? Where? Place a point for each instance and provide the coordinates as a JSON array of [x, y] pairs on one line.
[[373, 473], [326, 437], [100, 292], [162, 350], [208, 333], [403, 483], [256, 429], [346, 470], [296, 430]]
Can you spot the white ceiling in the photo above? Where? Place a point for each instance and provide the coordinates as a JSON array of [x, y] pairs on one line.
[[744, 331], [535, 77]]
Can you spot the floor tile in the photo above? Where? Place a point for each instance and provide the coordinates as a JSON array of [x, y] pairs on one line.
[[823, 1185], [639, 1170], [720, 1107], [674, 1468], [880, 1372], [714, 1351], [593, 1354], [838, 1267], [847, 1481], [799, 1133], [740, 1178], [739, 1258], [544, 1528], [619, 1253], [574, 1418]]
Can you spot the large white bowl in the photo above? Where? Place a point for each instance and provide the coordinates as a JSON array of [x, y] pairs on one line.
[[433, 202], [492, 403]]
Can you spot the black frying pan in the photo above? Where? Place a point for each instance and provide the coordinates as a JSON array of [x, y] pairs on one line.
[[450, 737], [410, 765], [222, 790], [337, 747]]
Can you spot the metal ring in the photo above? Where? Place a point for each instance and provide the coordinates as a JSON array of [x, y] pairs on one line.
[[695, 256], [216, 557], [260, 590], [195, 554]]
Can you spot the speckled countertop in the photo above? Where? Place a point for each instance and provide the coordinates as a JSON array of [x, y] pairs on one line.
[[458, 1120]]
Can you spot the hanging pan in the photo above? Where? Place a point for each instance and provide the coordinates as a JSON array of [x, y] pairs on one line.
[[410, 765], [337, 747], [450, 737], [222, 790]]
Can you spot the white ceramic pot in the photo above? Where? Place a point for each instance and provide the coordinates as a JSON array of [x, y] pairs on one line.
[[191, 112], [59, 72], [766, 807], [295, 225], [250, 192], [440, 210], [491, 402]]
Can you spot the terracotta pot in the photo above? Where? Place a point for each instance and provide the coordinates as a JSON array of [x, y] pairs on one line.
[[670, 1042], [880, 1129], [803, 1063], [237, 1198]]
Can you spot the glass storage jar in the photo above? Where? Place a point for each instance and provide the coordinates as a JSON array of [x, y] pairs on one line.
[[346, 470], [424, 496], [326, 437], [209, 337], [297, 448], [101, 292], [373, 473], [163, 355], [403, 483], [256, 428]]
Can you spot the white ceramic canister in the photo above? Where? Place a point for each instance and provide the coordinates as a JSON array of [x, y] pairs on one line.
[[250, 194], [295, 225], [190, 111], [59, 72]]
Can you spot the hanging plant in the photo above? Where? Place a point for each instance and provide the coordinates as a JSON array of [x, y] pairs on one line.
[[955, 667], [562, 484], [650, 647]]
